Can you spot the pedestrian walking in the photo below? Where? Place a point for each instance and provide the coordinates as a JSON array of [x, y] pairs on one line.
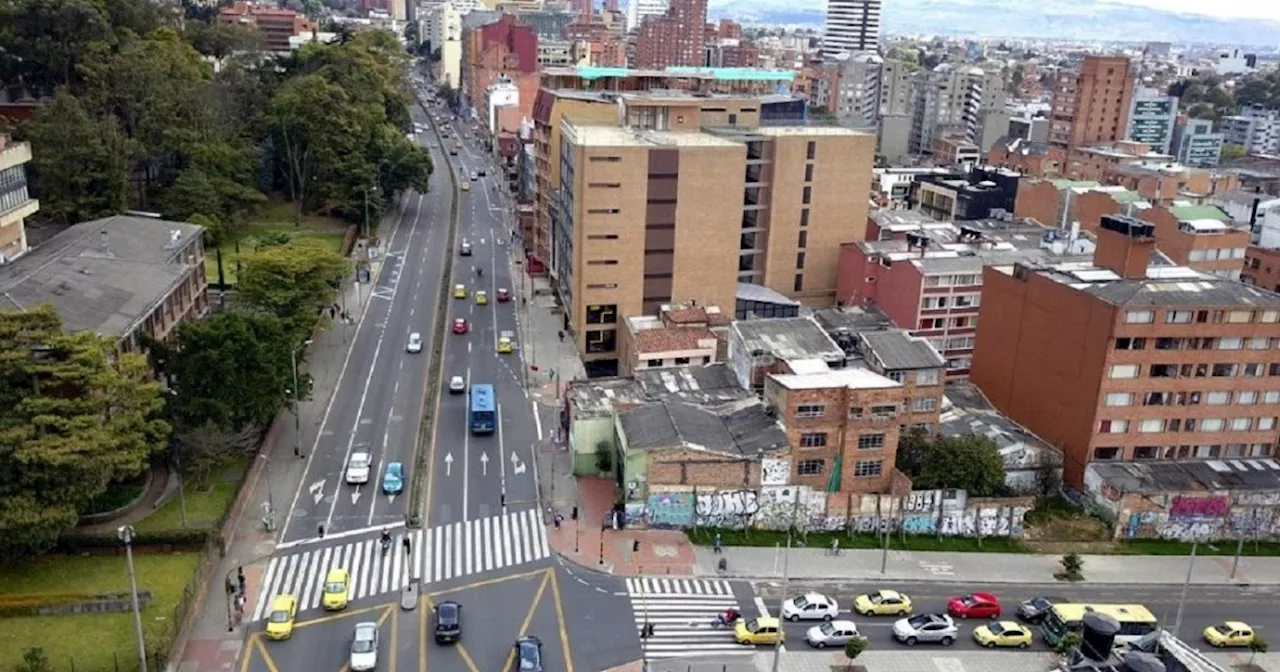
[[558, 520], [240, 579], [231, 587], [717, 546]]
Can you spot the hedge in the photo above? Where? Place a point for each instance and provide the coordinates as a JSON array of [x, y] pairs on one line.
[[74, 543]]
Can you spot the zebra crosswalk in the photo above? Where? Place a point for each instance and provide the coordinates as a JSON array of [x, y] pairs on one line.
[[681, 612], [439, 553]]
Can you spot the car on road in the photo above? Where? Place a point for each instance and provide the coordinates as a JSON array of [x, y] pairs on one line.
[[460, 325], [506, 343], [448, 616], [926, 629], [831, 633], [415, 343], [284, 609], [1002, 634], [503, 295], [337, 588], [810, 607], [457, 385], [974, 605], [1035, 609], [453, 151], [1229, 633], [474, 177], [482, 297], [528, 654], [883, 603], [364, 647], [459, 291], [358, 468], [393, 478], [764, 630], [465, 249], [466, 186]]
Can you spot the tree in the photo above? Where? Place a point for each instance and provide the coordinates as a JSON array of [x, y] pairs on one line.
[[34, 660], [233, 370], [1072, 568], [1256, 645], [604, 457], [75, 415], [912, 447], [202, 449], [1232, 152], [292, 282], [969, 462], [855, 647], [45, 41], [1068, 642]]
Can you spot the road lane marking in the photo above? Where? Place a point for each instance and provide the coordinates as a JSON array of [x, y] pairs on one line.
[[562, 626], [537, 419]]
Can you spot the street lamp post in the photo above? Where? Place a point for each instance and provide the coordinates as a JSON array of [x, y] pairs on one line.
[[786, 576], [1182, 601], [125, 532], [297, 416], [269, 519]]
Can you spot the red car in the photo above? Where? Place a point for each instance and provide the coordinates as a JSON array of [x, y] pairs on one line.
[[460, 326], [974, 605], [503, 296]]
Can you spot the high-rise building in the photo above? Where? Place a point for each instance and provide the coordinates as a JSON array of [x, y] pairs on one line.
[[675, 38], [1151, 118], [1091, 105], [442, 31], [1123, 362], [639, 10], [687, 198], [952, 100], [858, 100], [852, 26], [15, 203], [1255, 129], [1195, 144]]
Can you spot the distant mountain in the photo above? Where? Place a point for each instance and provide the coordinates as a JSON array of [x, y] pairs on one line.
[[1075, 19]]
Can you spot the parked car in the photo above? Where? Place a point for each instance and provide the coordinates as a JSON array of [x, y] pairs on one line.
[[284, 609], [1229, 633], [926, 628], [1035, 609], [503, 295], [1003, 634], [882, 603]]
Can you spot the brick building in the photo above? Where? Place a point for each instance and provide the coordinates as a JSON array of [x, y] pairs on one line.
[[501, 49], [1262, 267], [1122, 362], [676, 38], [1091, 104], [275, 25], [679, 335]]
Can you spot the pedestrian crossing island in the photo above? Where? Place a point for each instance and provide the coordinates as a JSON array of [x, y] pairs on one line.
[[436, 554], [681, 612]]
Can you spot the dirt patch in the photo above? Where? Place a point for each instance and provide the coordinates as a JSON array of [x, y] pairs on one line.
[[1069, 529]]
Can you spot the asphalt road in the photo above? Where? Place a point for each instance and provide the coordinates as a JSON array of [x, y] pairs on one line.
[[1204, 606], [376, 407]]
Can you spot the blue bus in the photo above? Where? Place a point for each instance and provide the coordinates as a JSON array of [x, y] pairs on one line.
[[483, 414]]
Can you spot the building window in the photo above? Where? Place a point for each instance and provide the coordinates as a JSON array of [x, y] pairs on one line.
[[1139, 316], [681, 361], [1230, 343], [1152, 426], [1266, 424], [1170, 316], [868, 468], [924, 404], [1119, 399], [1146, 452], [803, 240], [602, 211], [1211, 424], [602, 262], [798, 285], [810, 411], [602, 236], [813, 440], [808, 172], [1163, 371], [1260, 343], [1246, 398], [811, 151], [799, 261], [1106, 453], [1241, 424], [1113, 426], [855, 411], [804, 219], [604, 159], [604, 340], [1217, 398], [884, 411], [602, 314], [926, 377], [1224, 370], [653, 363], [1124, 371], [1239, 316], [810, 467], [870, 441], [1254, 370], [807, 196], [1133, 343]]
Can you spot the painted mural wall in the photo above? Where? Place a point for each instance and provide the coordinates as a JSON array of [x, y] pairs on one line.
[[777, 505], [1203, 517]]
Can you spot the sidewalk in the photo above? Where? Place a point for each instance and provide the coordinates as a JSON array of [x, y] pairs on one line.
[[212, 644], [873, 660], [858, 565]]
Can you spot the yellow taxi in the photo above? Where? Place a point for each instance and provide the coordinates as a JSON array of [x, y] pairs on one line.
[[1002, 634], [284, 608], [765, 630], [459, 291], [482, 298], [504, 345], [883, 603], [337, 585], [466, 186], [1230, 633]]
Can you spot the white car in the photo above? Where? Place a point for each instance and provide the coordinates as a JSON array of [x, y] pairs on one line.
[[457, 385], [474, 177], [810, 607], [358, 468], [831, 633], [415, 343], [364, 647]]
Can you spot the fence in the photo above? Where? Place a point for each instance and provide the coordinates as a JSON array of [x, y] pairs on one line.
[[155, 661]]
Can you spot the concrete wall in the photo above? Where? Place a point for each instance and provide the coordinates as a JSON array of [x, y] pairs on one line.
[[584, 434], [947, 512], [1191, 516]]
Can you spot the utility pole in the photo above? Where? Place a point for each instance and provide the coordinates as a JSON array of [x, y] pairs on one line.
[[786, 577], [125, 532], [1182, 601], [297, 415]]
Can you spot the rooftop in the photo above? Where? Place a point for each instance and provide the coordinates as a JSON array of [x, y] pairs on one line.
[[854, 379], [1163, 286], [711, 384], [615, 136], [1193, 212], [742, 430], [852, 318], [673, 339], [897, 350], [1189, 476], [102, 276], [720, 74], [965, 410], [786, 338], [1240, 197], [761, 294]]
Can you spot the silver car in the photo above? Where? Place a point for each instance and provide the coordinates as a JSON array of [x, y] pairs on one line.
[[926, 628], [831, 633], [364, 647]]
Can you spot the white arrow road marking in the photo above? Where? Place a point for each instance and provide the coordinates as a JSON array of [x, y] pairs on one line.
[[317, 490], [448, 464], [355, 495], [517, 467], [484, 464], [391, 498]]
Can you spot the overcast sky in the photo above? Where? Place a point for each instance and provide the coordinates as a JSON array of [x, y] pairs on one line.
[[1235, 9]]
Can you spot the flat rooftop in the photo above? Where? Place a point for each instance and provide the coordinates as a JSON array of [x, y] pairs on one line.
[[787, 338], [614, 136], [854, 379], [966, 410], [898, 350], [710, 385], [743, 430], [1208, 476], [1163, 286]]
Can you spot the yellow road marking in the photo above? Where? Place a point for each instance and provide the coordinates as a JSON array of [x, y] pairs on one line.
[[395, 630], [528, 617], [345, 614], [490, 582], [423, 646], [266, 656], [564, 632], [247, 658]]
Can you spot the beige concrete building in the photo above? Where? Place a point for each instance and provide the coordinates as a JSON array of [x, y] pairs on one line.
[[15, 203]]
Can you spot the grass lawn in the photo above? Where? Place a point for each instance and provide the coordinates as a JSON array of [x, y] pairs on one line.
[[276, 216], [205, 503], [91, 641]]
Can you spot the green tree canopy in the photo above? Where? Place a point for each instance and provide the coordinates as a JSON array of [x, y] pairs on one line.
[[232, 370], [969, 462], [74, 416], [292, 282]]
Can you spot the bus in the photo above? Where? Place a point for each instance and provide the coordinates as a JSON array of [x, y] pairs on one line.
[[1135, 621], [483, 415]]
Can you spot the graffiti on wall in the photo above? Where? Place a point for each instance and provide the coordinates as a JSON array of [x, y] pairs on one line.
[[1207, 517], [775, 472], [943, 512]]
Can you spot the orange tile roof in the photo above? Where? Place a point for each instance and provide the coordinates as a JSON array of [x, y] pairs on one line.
[[686, 315], [668, 340]]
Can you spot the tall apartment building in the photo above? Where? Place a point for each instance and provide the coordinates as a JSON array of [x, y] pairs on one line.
[[690, 196], [952, 99], [504, 48], [1091, 105], [275, 25], [896, 88], [442, 30], [852, 26], [1151, 119], [1195, 144], [1122, 362], [15, 203], [1255, 129], [639, 10], [858, 96], [675, 38]]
